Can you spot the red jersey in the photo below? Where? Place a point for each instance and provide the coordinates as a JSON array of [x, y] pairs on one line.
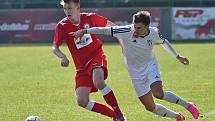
[[82, 52]]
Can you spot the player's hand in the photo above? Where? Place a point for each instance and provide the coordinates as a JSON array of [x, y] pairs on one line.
[[64, 62], [183, 60], [80, 33]]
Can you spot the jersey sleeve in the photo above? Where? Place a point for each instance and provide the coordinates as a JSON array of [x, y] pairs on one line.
[[58, 37], [157, 38], [122, 32], [98, 20]]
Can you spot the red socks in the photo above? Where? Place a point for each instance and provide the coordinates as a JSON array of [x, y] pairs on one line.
[[103, 109], [111, 100]]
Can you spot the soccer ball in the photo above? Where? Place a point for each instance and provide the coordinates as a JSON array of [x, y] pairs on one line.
[[33, 118]]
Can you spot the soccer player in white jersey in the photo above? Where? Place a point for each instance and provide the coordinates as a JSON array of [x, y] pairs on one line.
[[137, 41]]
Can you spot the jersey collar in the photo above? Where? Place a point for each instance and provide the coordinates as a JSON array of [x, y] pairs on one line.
[[148, 32]]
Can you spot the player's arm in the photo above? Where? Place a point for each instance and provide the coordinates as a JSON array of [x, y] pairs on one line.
[[61, 55], [167, 46], [58, 40], [93, 30], [109, 24], [116, 31]]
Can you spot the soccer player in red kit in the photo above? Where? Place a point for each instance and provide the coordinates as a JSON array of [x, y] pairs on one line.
[[88, 57]]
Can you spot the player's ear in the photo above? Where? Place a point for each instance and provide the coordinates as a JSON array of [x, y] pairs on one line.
[[147, 26], [78, 6]]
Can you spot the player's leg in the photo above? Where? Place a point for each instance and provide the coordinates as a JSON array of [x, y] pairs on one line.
[[158, 109], [98, 79], [158, 92], [169, 96], [83, 101], [154, 77], [142, 88], [98, 70]]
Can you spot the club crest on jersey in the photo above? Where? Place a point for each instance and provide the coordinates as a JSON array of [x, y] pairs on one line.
[[86, 26], [134, 40], [149, 42]]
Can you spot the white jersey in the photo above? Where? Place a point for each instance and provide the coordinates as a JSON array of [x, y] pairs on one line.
[[138, 52]]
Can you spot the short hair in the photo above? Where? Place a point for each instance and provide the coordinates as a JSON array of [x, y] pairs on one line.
[[62, 2], [142, 17]]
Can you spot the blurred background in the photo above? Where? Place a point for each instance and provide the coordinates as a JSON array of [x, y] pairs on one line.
[[179, 20]]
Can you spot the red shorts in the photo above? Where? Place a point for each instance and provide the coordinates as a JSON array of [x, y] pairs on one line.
[[84, 77]]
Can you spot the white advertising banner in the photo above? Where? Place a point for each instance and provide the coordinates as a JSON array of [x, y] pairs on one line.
[[193, 23]]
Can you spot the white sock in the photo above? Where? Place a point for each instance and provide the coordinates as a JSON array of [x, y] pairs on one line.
[[90, 105], [165, 112], [173, 98], [105, 90]]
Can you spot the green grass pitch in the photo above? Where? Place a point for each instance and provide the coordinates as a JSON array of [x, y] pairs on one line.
[[32, 82]]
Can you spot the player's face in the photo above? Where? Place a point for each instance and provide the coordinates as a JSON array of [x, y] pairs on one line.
[[71, 10], [140, 29]]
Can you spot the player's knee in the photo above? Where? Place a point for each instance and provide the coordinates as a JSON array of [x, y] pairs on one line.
[[82, 102], [98, 78], [150, 108], [99, 84], [158, 94]]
